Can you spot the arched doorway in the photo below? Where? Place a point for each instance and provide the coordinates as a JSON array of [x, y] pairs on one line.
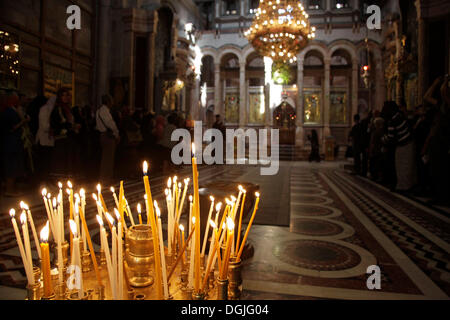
[[284, 119]]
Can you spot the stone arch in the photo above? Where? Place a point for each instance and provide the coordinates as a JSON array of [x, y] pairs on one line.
[[346, 46], [230, 49], [209, 51], [316, 46], [247, 51]]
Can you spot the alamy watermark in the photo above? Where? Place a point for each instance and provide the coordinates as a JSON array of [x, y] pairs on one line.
[[218, 146]]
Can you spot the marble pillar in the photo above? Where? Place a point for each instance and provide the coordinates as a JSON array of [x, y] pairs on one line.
[[217, 90], [355, 90], [299, 131], [242, 96], [326, 104]]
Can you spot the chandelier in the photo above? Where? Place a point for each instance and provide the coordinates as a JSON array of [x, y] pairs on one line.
[[280, 30]]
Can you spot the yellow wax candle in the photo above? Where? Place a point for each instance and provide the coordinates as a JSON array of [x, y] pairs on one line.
[[197, 221], [69, 184], [248, 227], [183, 242], [216, 246], [157, 256], [226, 258], [240, 221], [45, 265], [121, 205]]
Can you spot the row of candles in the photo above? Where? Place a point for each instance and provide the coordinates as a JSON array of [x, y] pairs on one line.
[[222, 235]]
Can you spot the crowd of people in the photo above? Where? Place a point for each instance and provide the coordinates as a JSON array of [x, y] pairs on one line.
[[45, 140], [408, 151]]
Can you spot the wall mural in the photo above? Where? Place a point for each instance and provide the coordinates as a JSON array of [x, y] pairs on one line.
[[232, 108], [312, 107], [338, 107], [257, 108]]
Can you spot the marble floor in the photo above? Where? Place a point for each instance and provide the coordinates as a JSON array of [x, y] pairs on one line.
[[328, 228]]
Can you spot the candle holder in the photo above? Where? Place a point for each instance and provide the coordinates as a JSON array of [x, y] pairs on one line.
[[65, 253], [51, 297], [102, 258], [222, 289], [90, 293], [34, 292], [211, 279], [75, 296], [60, 291], [100, 292], [184, 278], [139, 297], [139, 255], [186, 293], [235, 282], [86, 262], [198, 296], [131, 293]]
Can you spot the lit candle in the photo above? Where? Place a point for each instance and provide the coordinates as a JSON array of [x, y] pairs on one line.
[[205, 238], [139, 213], [152, 221], [59, 242], [183, 242], [218, 207], [130, 213], [69, 184], [115, 196], [84, 233], [26, 239], [186, 184], [190, 216], [114, 255], [26, 263], [216, 247], [226, 258], [163, 258], [105, 245], [76, 258], [25, 207], [45, 264], [100, 198], [248, 227], [48, 211]]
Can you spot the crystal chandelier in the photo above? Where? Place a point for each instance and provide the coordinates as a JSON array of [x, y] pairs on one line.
[[280, 30]]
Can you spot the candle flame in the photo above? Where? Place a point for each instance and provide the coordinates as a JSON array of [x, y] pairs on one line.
[[82, 193], [181, 228], [145, 167], [219, 206], [230, 224], [257, 194], [186, 181], [244, 191], [213, 225], [169, 183], [233, 199], [158, 212], [23, 218], [59, 198], [44, 192], [49, 195], [22, 204], [94, 196], [211, 198], [193, 149], [112, 189], [117, 214], [77, 209], [139, 208], [175, 179], [69, 184], [110, 218], [100, 220], [190, 198], [240, 188], [193, 220], [45, 232], [73, 227], [77, 197], [145, 196], [12, 213], [224, 225], [179, 185], [68, 191], [166, 192], [54, 202], [60, 185], [99, 188]]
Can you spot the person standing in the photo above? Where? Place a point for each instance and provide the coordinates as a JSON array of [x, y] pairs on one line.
[[13, 150], [315, 147], [356, 135], [45, 139], [109, 137], [399, 134]]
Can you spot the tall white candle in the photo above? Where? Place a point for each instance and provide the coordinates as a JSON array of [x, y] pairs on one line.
[[180, 211], [26, 240], [105, 245], [119, 257], [190, 220], [26, 264], [130, 213], [76, 258]]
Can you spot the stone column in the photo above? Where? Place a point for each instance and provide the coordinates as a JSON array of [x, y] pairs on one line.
[[354, 100], [328, 5], [299, 132], [422, 53], [103, 48], [326, 104], [242, 96], [218, 101], [379, 92], [224, 95], [151, 69]]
